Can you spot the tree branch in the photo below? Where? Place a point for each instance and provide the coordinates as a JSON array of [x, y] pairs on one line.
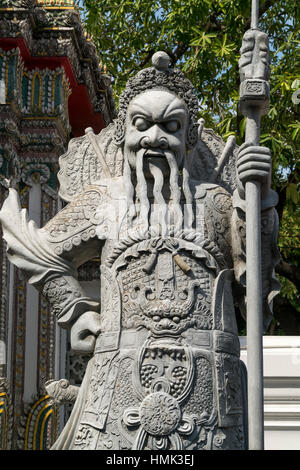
[[142, 64], [291, 272], [281, 201], [213, 25]]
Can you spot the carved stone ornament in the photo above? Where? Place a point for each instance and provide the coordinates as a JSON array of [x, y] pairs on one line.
[[61, 391], [157, 198], [255, 70]]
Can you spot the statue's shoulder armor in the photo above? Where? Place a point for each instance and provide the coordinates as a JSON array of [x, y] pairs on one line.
[[217, 214], [80, 166], [211, 161], [79, 218], [215, 196]]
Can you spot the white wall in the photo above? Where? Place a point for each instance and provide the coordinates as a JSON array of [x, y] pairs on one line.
[[281, 391]]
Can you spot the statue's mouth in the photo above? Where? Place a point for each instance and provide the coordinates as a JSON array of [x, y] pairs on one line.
[[154, 153]]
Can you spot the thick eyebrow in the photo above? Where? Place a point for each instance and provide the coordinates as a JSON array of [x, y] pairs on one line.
[[177, 112], [173, 114], [172, 110], [140, 110]]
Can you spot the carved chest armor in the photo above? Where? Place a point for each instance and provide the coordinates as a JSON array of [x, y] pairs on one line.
[[165, 353], [158, 294]]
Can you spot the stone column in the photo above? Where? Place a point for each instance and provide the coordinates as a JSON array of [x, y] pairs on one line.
[[32, 310], [60, 354]]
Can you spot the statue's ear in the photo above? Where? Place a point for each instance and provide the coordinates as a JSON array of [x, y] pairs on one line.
[[192, 135], [119, 132]]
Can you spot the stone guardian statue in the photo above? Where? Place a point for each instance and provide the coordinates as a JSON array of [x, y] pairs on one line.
[[160, 199]]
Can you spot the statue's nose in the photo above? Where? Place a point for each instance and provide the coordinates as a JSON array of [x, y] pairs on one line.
[[154, 139]]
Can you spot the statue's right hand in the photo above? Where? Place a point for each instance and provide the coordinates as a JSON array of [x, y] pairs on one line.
[[84, 332]]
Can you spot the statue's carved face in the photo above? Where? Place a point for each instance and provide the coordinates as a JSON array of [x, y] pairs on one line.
[[156, 123]]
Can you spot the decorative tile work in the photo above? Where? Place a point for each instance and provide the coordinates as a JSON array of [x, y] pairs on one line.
[[41, 425], [46, 348], [5, 415]]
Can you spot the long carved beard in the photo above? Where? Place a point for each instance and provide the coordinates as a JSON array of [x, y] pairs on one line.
[[166, 215]]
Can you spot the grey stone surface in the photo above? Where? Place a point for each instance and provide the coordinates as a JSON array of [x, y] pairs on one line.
[[166, 215], [254, 102], [61, 391]]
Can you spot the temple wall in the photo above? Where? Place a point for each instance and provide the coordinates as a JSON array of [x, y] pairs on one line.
[[281, 391]]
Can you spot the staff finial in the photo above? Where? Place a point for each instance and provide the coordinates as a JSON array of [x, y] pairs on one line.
[[254, 14]]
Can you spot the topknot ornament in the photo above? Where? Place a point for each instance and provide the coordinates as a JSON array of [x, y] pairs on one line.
[[161, 61]]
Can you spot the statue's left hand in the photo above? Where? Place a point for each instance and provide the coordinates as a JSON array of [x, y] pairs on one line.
[[84, 332], [254, 164]]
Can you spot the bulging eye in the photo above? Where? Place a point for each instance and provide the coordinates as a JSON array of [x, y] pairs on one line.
[[172, 125], [141, 124]]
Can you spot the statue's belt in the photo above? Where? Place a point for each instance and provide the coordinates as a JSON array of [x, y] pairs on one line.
[[217, 341], [109, 344]]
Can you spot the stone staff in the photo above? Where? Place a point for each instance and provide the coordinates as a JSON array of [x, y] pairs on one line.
[[254, 102]]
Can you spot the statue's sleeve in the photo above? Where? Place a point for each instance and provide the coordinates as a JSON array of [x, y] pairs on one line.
[[269, 253], [49, 256]]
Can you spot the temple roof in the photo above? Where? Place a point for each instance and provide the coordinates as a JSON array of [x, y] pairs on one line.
[[63, 4], [49, 33]]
